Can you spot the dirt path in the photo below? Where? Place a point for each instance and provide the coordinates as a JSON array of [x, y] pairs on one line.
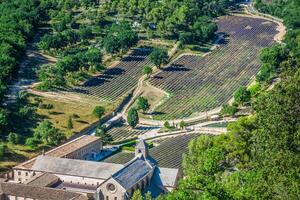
[[32, 57], [65, 97]]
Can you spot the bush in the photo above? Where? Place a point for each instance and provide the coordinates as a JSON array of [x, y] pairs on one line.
[[13, 138], [75, 116], [242, 95], [167, 125], [3, 150], [32, 142], [98, 111], [182, 125], [229, 110], [255, 89], [25, 111], [70, 123]]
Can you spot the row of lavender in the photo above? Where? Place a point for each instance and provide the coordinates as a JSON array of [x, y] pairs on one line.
[[200, 84]]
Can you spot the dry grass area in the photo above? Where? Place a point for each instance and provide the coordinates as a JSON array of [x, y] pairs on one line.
[[80, 109], [154, 96], [17, 154]]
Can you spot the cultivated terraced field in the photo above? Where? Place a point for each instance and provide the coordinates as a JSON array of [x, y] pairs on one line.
[[199, 84], [123, 132], [167, 154], [118, 80]]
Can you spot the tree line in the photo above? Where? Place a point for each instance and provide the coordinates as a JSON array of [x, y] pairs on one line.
[[187, 20]]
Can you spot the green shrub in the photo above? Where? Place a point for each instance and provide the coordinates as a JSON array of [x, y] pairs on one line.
[[13, 138], [99, 111]]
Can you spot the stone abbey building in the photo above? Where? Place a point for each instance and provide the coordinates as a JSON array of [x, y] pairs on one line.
[[70, 170]]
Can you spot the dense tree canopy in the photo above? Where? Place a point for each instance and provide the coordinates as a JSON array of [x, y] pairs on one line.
[[18, 20], [120, 37], [159, 57], [47, 133], [173, 18]]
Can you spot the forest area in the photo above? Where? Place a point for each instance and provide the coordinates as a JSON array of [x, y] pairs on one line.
[[81, 35]]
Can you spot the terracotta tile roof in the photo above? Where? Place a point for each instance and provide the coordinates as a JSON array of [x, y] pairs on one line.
[[34, 192], [64, 149]]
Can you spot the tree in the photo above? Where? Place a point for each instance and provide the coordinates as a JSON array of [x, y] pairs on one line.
[[167, 125], [142, 104], [204, 29], [182, 125], [133, 117], [120, 37], [47, 133], [98, 111], [101, 132], [242, 95], [85, 32], [70, 123], [137, 195], [186, 38], [265, 73], [159, 56], [274, 55], [93, 56], [111, 44], [50, 76], [13, 138], [147, 70]]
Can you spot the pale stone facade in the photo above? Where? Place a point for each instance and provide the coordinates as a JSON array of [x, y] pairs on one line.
[[66, 168], [82, 148]]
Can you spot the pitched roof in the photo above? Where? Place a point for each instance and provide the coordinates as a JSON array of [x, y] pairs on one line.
[[34, 192], [166, 177], [162, 179], [141, 144], [43, 180], [83, 168], [134, 171], [65, 149]]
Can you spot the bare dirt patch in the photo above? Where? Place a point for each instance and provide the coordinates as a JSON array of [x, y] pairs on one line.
[[153, 94]]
